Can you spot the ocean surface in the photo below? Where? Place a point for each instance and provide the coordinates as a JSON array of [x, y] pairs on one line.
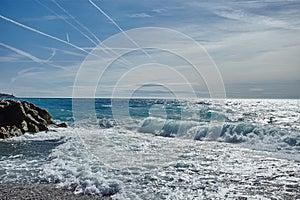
[[163, 149]]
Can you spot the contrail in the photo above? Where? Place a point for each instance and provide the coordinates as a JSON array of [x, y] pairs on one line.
[[87, 37], [23, 53], [108, 17], [81, 25], [120, 29], [52, 55], [22, 73], [68, 40], [42, 33], [28, 55]]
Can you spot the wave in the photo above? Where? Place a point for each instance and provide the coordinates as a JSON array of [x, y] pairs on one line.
[[260, 136], [167, 128], [228, 132]]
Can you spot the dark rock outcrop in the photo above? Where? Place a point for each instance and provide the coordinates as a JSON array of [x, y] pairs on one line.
[[2, 95], [19, 117]]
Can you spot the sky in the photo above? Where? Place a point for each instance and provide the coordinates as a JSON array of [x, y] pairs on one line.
[[121, 48]]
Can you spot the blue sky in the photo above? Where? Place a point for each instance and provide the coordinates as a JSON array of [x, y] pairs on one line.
[[254, 44]]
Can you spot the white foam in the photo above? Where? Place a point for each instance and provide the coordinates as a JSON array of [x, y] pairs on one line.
[[57, 134], [143, 166]]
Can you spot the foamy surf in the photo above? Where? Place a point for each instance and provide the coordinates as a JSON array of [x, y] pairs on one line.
[[139, 166]]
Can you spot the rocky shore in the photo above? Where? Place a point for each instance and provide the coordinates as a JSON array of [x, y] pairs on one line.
[[18, 117]]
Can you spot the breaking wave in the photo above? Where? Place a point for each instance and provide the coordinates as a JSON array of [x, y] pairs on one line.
[[250, 133]]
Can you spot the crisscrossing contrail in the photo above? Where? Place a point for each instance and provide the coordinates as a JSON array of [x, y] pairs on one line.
[[120, 29], [42, 33]]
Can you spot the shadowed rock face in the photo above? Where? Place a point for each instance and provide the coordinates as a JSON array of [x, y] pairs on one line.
[[19, 117]]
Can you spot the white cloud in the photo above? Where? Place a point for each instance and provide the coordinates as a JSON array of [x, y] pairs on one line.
[[256, 89], [160, 10], [139, 15], [12, 58], [23, 53], [37, 82], [33, 71], [256, 19], [66, 52], [47, 18], [257, 56]]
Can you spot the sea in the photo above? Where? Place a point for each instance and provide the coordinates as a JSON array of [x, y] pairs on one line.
[[162, 148]]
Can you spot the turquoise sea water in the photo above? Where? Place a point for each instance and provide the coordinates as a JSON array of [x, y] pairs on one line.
[[165, 149]]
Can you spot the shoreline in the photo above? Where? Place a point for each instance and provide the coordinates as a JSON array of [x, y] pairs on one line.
[[9, 191]]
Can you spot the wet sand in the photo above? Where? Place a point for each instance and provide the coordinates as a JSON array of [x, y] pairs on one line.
[[42, 192]]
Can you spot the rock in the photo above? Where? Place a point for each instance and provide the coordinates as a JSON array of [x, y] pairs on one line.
[[32, 128], [11, 112], [2, 95], [39, 114], [4, 133], [19, 117], [15, 131], [63, 125], [24, 126]]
